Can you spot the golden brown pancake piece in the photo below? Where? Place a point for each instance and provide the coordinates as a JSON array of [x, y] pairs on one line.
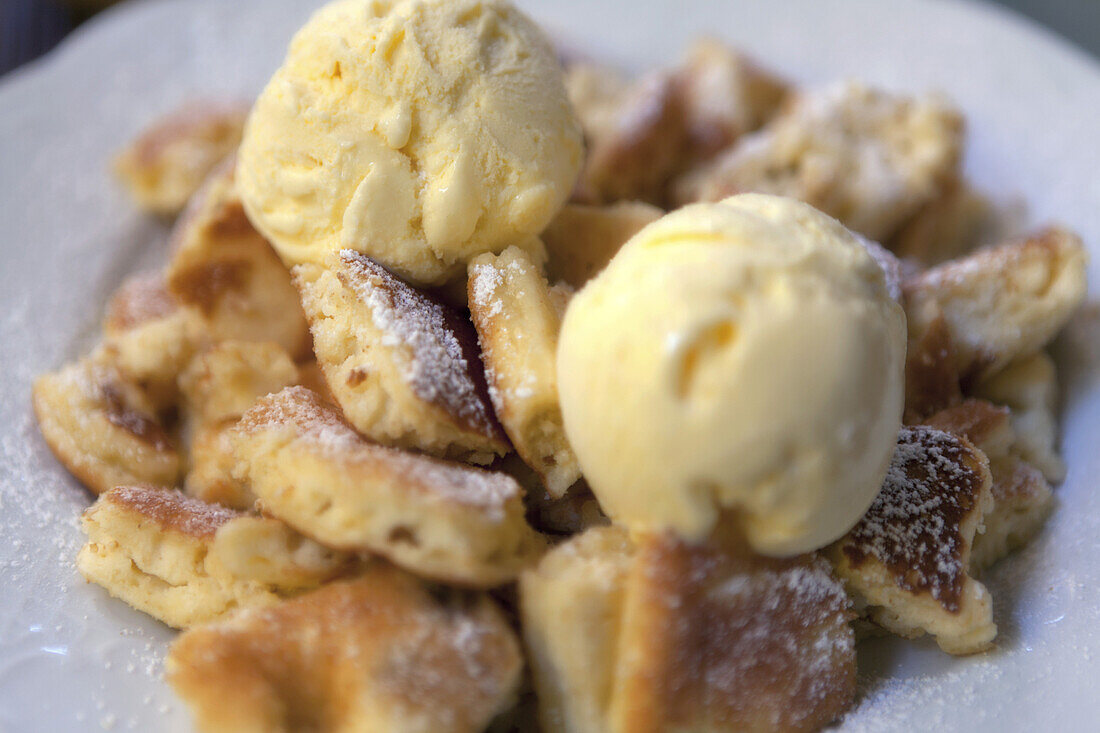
[[517, 326], [228, 273], [1029, 388], [908, 559], [218, 386], [655, 634], [1022, 498], [225, 380], [946, 227], [443, 520], [102, 428], [404, 367], [382, 652], [932, 381], [866, 157], [150, 337], [715, 638], [185, 562], [583, 238], [168, 162], [1001, 303]]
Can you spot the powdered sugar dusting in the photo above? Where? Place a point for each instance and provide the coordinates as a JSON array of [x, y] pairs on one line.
[[445, 368], [913, 526], [172, 509], [484, 281]]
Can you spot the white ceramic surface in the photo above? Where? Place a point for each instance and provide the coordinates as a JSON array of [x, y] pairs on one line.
[[73, 659]]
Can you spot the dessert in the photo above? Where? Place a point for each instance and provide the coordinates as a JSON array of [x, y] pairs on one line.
[[417, 132], [582, 239], [1022, 498], [222, 382], [641, 133], [217, 387], [946, 227], [1028, 387], [682, 375], [393, 402], [149, 337]]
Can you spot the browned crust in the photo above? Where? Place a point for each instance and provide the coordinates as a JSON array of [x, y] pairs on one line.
[[728, 640], [170, 509], [913, 528], [88, 477], [204, 285], [974, 419], [139, 299], [635, 160], [140, 425], [931, 374]]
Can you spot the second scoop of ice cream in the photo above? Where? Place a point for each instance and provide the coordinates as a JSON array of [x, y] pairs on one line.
[[742, 356], [419, 132]]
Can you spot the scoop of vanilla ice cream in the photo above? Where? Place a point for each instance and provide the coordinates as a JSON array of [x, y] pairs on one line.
[[419, 132], [743, 355]]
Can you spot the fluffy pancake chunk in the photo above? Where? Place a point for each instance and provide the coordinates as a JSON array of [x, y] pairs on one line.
[[571, 607], [443, 520], [715, 638], [168, 162], [725, 95], [1022, 501], [210, 465], [655, 634], [865, 157], [150, 337], [218, 386], [908, 560], [1029, 388], [185, 562], [228, 273], [641, 132], [517, 327], [635, 132], [404, 367], [1022, 498], [583, 238], [222, 382], [946, 227], [932, 380], [103, 428], [381, 652], [1003, 302]]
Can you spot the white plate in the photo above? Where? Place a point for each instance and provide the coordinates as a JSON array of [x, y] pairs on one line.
[[71, 658]]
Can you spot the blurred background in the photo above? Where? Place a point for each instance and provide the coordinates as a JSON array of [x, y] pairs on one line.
[[29, 28]]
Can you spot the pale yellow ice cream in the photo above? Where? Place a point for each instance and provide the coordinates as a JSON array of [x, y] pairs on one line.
[[419, 132], [742, 355]]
